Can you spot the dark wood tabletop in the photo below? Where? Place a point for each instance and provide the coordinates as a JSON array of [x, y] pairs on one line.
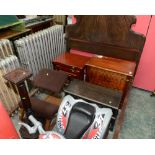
[[94, 93], [18, 75]]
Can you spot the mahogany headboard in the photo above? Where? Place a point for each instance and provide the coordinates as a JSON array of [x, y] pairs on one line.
[[107, 35]]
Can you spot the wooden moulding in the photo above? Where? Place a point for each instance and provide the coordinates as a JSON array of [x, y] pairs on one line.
[[108, 35]]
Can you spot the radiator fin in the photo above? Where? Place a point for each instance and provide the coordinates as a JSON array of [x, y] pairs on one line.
[[37, 50], [8, 62]]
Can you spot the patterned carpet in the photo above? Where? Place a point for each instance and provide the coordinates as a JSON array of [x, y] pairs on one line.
[[139, 120]]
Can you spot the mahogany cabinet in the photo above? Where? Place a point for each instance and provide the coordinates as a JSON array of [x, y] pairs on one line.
[[72, 64], [111, 73]]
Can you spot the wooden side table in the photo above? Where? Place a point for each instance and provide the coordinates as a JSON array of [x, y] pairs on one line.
[[17, 77], [72, 64], [50, 80]]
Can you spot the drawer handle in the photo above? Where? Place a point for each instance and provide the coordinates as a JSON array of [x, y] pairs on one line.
[[73, 69]]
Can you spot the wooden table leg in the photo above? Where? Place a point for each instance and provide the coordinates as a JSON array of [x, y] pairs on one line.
[[153, 93], [25, 99], [21, 114], [47, 124]]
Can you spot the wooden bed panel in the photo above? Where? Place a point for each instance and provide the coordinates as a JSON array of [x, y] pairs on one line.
[[106, 35]]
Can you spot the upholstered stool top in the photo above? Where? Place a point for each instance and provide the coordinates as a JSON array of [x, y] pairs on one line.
[[50, 80]]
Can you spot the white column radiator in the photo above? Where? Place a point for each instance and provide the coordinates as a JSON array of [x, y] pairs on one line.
[[37, 50], [8, 94]]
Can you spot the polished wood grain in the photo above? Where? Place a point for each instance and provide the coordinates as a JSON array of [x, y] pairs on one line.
[[110, 72], [105, 78], [106, 35], [70, 59], [112, 64], [72, 64]]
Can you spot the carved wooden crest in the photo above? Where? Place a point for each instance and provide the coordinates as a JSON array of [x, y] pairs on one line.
[[106, 35]]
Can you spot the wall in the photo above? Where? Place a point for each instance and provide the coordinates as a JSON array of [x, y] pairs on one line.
[[145, 76]]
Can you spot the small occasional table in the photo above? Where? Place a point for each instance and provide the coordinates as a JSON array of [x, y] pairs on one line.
[[17, 77], [72, 64], [50, 80]]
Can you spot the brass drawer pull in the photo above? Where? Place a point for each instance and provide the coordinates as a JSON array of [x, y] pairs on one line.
[[73, 69]]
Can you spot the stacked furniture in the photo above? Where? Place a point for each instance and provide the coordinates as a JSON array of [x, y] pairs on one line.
[[109, 72], [32, 105], [104, 77]]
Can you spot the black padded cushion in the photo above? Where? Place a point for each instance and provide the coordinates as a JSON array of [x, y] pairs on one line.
[[81, 117]]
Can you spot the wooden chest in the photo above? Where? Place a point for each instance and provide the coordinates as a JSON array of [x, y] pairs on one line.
[[72, 64], [110, 72]]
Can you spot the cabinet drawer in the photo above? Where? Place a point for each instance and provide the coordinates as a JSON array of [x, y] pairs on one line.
[[72, 71], [69, 69]]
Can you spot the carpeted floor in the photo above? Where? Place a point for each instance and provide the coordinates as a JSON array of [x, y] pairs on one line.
[[139, 120], [140, 116]]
